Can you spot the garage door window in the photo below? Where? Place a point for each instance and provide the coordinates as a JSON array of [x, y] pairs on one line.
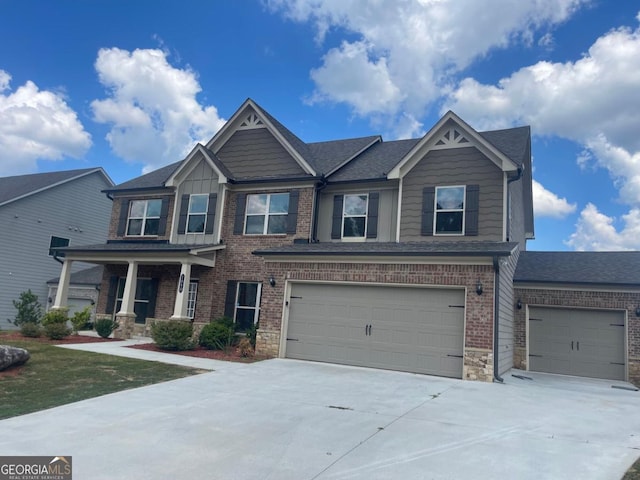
[[247, 305]]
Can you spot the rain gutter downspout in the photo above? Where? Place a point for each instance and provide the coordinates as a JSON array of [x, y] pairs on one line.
[[316, 203], [496, 318]]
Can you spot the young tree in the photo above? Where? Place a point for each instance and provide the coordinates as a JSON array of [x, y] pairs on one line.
[[29, 309]]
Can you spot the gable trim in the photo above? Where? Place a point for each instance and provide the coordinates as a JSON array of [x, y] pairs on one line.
[[188, 165], [378, 139]]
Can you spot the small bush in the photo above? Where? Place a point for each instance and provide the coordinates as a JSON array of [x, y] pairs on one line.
[[105, 326], [57, 331], [57, 316], [252, 333], [81, 319], [173, 335], [245, 348], [216, 336], [31, 329], [29, 309], [226, 321]]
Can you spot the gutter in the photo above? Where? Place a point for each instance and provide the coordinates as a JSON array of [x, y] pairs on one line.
[[496, 318]]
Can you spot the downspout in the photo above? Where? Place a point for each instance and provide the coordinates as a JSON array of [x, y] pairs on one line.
[[55, 257], [496, 318], [316, 203]]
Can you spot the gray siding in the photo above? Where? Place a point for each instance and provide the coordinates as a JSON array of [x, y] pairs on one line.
[[202, 179], [505, 312], [516, 231], [257, 154], [387, 211], [459, 166], [77, 210]]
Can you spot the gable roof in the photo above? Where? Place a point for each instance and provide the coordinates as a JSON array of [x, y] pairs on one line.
[[586, 268], [88, 276], [212, 160], [151, 180], [21, 186], [332, 155]]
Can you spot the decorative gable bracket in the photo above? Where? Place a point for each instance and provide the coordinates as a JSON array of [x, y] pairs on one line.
[[450, 138]]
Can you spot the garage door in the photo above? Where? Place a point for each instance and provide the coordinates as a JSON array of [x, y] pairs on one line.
[[398, 328], [588, 343]]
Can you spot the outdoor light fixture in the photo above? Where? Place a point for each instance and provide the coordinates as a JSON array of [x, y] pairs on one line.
[[519, 304], [637, 311], [479, 287], [272, 281]]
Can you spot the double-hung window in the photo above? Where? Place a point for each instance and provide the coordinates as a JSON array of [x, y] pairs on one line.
[[143, 297], [57, 242], [449, 210], [354, 216], [266, 214], [197, 215], [247, 311], [191, 299], [144, 217]]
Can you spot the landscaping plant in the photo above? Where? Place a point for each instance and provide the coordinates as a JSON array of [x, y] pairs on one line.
[[217, 335], [105, 326], [29, 309], [55, 324], [80, 319], [173, 335]]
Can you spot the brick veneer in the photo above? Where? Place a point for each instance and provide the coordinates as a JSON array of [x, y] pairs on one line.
[[584, 299]]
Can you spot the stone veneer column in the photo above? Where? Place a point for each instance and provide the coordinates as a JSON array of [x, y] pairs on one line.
[[478, 364]]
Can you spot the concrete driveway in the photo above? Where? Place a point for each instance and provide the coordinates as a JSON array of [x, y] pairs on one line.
[[285, 419]]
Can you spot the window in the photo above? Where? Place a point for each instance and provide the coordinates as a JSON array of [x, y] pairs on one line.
[[266, 214], [144, 217], [197, 215], [56, 242], [191, 299], [247, 305], [144, 289], [354, 216], [449, 210]]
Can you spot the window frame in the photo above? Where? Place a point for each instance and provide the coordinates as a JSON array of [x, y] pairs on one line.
[[267, 214], [256, 308], [144, 218], [345, 216], [119, 296], [52, 247], [192, 298], [197, 214], [436, 211]]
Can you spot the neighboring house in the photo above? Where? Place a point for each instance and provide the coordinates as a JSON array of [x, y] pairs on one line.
[[396, 255], [41, 212], [84, 287]]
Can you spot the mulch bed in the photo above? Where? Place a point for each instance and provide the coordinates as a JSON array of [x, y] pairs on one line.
[[5, 336], [229, 355]]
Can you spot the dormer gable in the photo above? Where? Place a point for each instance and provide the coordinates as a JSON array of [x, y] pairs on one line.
[[194, 157]]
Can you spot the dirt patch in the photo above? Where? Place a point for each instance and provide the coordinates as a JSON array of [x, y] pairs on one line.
[[8, 336], [229, 355], [11, 372]]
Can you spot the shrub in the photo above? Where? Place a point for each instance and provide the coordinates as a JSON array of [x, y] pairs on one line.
[[216, 336], [57, 316], [252, 333], [29, 309], [245, 348], [173, 335], [105, 326], [81, 318], [226, 321], [31, 329], [56, 331]]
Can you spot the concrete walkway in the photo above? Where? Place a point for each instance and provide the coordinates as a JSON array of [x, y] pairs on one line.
[[286, 419]]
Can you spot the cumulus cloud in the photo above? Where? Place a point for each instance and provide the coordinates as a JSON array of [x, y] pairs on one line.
[[597, 231], [152, 107], [36, 125], [398, 66], [548, 204]]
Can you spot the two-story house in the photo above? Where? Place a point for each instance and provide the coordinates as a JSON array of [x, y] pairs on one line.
[[396, 255]]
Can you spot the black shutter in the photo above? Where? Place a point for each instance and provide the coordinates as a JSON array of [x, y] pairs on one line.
[[230, 299], [292, 216], [124, 215], [153, 295], [336, 221], [238, 226], [211, 213], [428, 198], [372, 215], [184, 210], [164, 211], [111, 294], [471, 209]]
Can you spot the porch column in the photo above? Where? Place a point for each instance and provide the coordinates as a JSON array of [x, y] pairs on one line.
[[182, 293], [129, 295], [63, 286]]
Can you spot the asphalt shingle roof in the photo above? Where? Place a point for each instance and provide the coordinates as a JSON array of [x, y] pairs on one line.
[[326, 156], [604, 268], [88, 276], [153, 179], [511, 141], [133, 246]]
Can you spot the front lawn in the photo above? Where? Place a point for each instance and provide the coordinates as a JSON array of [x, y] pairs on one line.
[[55, 376]]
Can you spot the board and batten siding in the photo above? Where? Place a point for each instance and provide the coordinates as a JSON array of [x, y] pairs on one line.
[[76, 210], [387, 211], [505, 313], [257, 154], [202, 179], [459, 166]]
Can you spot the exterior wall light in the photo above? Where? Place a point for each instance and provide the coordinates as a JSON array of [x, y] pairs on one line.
[[637, 311], [519, 304], [479, 287], [272, 281]]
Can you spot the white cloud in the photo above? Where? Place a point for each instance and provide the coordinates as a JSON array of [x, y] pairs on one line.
[[36, 125], [548, 204], [152, 107], [596, 231], [400, 65]]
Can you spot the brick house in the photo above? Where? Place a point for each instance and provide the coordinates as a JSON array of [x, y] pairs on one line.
[[397, 255]]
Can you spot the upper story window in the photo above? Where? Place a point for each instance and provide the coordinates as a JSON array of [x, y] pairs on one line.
[[144, 217], [266, 214], [449, 210], [57, 242], [197, 215], [354, 216]]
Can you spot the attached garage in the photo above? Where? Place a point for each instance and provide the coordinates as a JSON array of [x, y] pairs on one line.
[[402, 328], [583, 342]]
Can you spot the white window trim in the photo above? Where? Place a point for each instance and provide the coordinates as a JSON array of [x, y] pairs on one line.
[[189, 214], [344, 216], [256, 314], [192, 298], [436, 211], [144, 217], [266, 215]]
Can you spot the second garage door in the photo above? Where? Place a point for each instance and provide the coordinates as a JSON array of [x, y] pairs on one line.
[[588, 343], [398, 328]]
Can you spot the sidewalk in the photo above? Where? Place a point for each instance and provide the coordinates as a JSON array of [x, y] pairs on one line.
[[120, 349]]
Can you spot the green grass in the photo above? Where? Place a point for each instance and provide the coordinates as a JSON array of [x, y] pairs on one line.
[[56, 376]]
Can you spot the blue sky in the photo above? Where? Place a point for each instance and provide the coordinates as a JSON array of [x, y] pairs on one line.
[[131, 86]]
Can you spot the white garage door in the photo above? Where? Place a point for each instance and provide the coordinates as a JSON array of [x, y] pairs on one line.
[[398, 328], [587, 343]]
